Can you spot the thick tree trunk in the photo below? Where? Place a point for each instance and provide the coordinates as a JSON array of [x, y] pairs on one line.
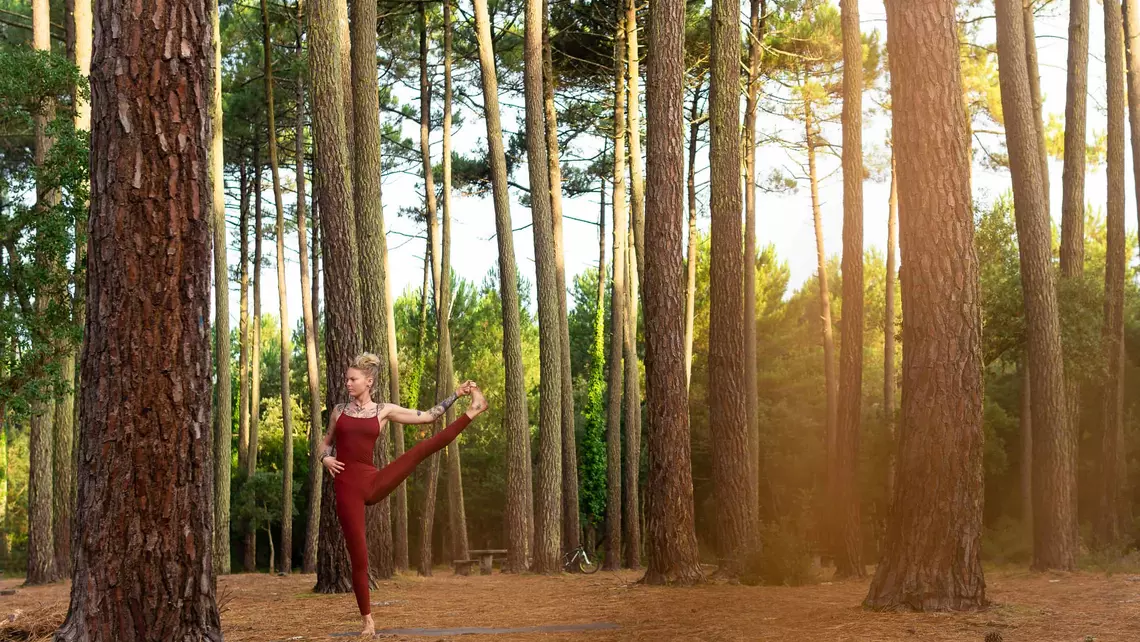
[[342, 312], [1054, 453], [931, 559], [223, 411], [571, 528], [548, 510], [1132, 59], [731, 466], [150, 550], [691, 248], [1112, 515], [671, 540], [282, 311], [519, 507], [366, 195], [847, 533], [613, 559]]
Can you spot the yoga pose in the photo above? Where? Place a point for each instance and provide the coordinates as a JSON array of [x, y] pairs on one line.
[[355, 426]]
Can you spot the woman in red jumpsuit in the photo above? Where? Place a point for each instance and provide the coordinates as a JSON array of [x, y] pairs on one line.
[[357, 483]]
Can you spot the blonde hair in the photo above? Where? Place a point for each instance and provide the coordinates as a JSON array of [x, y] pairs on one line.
[[369, 364]]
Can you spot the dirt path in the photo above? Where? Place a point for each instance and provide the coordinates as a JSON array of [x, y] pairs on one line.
[[1027, 608]]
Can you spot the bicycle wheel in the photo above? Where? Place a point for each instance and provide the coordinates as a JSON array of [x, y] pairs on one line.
[[587, 565]]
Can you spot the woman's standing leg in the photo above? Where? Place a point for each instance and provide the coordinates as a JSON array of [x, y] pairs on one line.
[[350, 511]]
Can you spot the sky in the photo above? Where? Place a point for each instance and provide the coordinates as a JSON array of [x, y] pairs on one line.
[[784, 220]]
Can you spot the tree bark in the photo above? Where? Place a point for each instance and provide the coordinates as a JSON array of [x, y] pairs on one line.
[[1113, 513], [613, 558], [670, 528], [41, 529], [366, 195], [751, 410], [148, 550], [571, 528], [1131, 20], [931, 559], [519, 507], [691, 249], [223, 412], [283, 311], [631, 518], [338, 239], [731, 468], [1035, 91], [243, 321], [633, 114], [847, 536], [1054, 453]]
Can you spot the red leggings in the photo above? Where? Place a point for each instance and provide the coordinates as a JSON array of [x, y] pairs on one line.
[[359, 485]]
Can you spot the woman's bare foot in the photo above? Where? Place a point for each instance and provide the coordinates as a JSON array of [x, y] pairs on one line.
[[369, 626], [478, 402]]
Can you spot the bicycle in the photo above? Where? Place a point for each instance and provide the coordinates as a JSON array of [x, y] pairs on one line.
[[578, 560]]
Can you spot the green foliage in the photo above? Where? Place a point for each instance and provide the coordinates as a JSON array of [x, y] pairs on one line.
[[592, 445], [256, 502]]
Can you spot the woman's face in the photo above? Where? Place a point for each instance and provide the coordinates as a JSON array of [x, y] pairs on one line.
[[357, 382]]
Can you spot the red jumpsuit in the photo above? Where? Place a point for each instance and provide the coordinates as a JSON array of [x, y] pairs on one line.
[[360, 484]]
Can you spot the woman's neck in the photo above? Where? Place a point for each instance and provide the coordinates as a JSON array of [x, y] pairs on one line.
[[363, 400]]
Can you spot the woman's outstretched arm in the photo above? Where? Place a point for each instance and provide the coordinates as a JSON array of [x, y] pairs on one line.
[[410, 417]]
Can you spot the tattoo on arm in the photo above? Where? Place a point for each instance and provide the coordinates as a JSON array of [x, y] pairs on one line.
[[442, 406]]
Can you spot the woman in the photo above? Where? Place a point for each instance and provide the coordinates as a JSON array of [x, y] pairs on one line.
[[355, 427]]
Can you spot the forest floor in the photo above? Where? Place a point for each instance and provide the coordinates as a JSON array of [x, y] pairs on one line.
[[1026, 607]]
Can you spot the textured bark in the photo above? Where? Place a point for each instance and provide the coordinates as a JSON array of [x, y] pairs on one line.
[[457, 516], [312, 367], [613, 559], [691, 245], [731, 467], [1054, 452], [931, 559], [223, 411], [41, 531], [243, 318], [338, 246], [148, 550], [631, 486], [751, 409], [671, 540], [366, 195], [519, 507], [1132, 59], [847, 533], [63, 471], [826, 329], [890, 382], [1113, 513], [571, 528], [286, 561], [548, 509]]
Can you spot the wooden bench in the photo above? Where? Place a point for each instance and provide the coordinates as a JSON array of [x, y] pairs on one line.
[[486, 558], [463, 567]]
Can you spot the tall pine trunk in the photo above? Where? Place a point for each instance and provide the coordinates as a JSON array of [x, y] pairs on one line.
[[548, 509], [890, 381], [223, 411], [847, 534], [243, 317], [633, 130], [571, 529], [931, 559], [631, 486], [255, 350], [1035, 92], [670, 528], [1112, 515], [1132, 59], [159, 425], [731, 466], [691, 243], [519, 506], [1054, 456], [613, 558], [366, 196], [751, 409], [41, 531], [338, 239]]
